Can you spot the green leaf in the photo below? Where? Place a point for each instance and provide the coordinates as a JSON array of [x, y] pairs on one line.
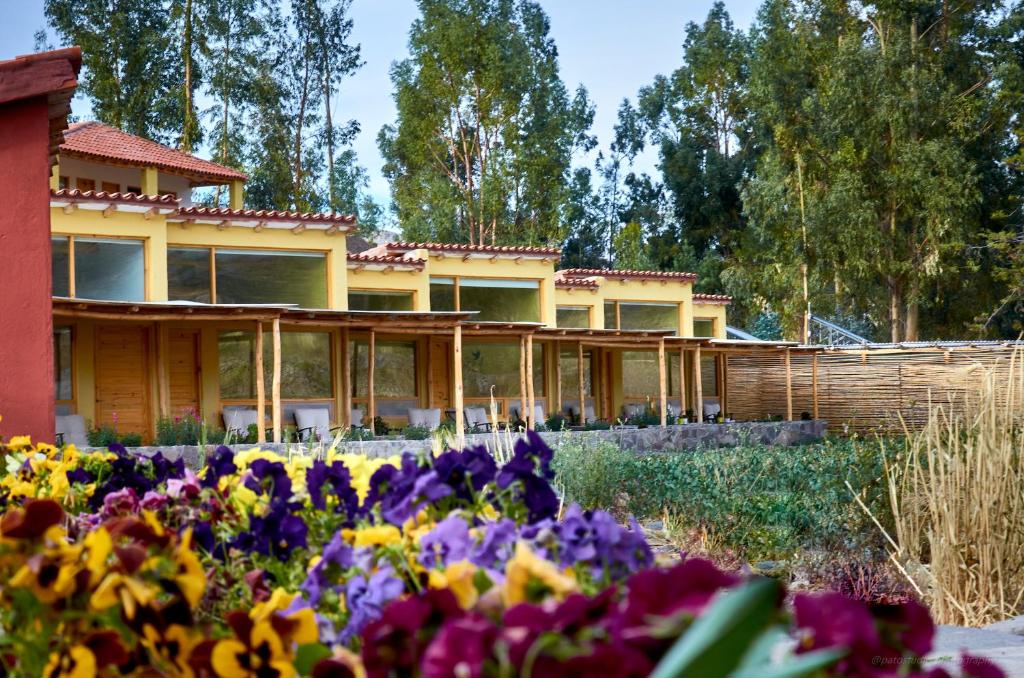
[[307, 656], [721, 636], [803, 665]]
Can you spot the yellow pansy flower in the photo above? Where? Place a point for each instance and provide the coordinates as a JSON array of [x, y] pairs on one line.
[[458, 578], [526, 568]]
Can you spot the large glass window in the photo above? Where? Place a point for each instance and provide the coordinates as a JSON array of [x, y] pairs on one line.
[[271, 277], [188, 274], [442, 294], [60, 247], [640, 374], [493, 364], [570, 375], [62, 364], [703, 327], [373, 300], [640, 315], [394, 369], [502, 300], [572, 316], [109, 269], [493, 299], [305, 365]]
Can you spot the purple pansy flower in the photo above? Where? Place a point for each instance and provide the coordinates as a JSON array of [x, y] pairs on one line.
[[448, 542]]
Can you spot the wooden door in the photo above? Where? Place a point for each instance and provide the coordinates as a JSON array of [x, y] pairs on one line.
[[122, 378], [183, 376], [440, 369]]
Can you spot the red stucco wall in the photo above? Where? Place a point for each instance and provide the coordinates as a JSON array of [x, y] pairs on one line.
[[26, 325]]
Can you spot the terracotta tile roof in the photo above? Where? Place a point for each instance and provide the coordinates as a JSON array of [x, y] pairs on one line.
[[73, 195], [625, 273], [712, 298], [386, 259], [562, 281], [483, 249], [340, 221], [96, 141], [52, 74]]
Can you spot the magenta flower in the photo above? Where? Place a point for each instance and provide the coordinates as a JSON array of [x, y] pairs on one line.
[[461, 648]]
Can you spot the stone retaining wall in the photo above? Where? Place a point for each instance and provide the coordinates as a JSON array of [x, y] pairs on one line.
[[652, 439]]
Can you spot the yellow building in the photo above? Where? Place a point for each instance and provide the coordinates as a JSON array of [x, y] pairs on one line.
[[162, 306]]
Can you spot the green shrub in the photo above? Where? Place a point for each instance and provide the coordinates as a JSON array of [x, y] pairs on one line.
[[105, 436], [766, 501], [416, 432], [357, 434], [183, 430], [556, 422], [597, 426]]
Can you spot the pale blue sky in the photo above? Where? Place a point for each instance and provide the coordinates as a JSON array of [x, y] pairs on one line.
[[612, 47]]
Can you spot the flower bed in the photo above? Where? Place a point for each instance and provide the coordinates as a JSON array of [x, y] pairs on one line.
[[261, 565]]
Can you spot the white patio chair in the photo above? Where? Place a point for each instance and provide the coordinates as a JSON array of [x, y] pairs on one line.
[[711, 411], [238, 421], [476, 419], [426, 417], [314, 423], [70, 430], [357, 418]]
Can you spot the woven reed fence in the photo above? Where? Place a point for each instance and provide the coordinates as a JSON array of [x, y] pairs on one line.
[[864, 390]]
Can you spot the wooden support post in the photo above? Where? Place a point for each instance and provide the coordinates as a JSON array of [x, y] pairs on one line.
[[531, 421], [698, 387], [522, 379], [682, 383], [814, 382], [346, 381], [371, 396], [558, 377], [662, 383], [460, 425], [723, 395], [275, 388], [581, 388], [261, 388], [162, 378], [789, 388]]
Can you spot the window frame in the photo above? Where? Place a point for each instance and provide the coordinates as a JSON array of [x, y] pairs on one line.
[[71, 258], [333, 366], [714, 327], [74, 369], [618, 311], [212, 249], [457, 289], [572, 307], [383, 291]]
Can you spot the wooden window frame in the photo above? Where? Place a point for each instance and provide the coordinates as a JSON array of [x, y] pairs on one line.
[[457, 285], [71, 258], [73, 402], [83, 180], [618, 310], [110, 187], [213, 264], [589, 309], [253, 401]]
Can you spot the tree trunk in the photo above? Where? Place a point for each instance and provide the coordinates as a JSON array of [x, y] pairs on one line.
[[895, 311], [913, 311], [189, 123], [330, 140]]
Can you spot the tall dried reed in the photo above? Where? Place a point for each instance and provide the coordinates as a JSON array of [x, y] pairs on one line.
[[957, 495]]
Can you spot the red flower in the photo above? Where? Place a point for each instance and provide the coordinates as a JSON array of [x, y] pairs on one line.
[[461, 648], [32, 521]]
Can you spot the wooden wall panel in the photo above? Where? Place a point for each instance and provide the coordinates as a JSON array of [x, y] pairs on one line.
[[183, 371], [122, 378], [864, 391]]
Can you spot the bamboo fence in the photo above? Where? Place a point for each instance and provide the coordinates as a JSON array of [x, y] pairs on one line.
[[865, 389]]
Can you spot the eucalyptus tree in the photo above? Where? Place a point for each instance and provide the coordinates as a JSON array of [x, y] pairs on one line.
[[482, 147]]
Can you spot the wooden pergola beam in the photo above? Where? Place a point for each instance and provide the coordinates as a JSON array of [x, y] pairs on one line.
[[261, 395], [371, 394], [460, 424], [698, 387], [532, 420], [275, 387], [789, 388], [579, 376], [662, 383], [522, 380], [346, 381]]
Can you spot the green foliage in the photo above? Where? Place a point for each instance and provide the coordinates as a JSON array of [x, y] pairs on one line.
[[486, 129], [380, 427], [183, 430], [766, 501], [556, 422], [416, 432], [105, 436]]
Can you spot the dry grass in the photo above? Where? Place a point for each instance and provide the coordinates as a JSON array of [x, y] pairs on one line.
[[957, 495]]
